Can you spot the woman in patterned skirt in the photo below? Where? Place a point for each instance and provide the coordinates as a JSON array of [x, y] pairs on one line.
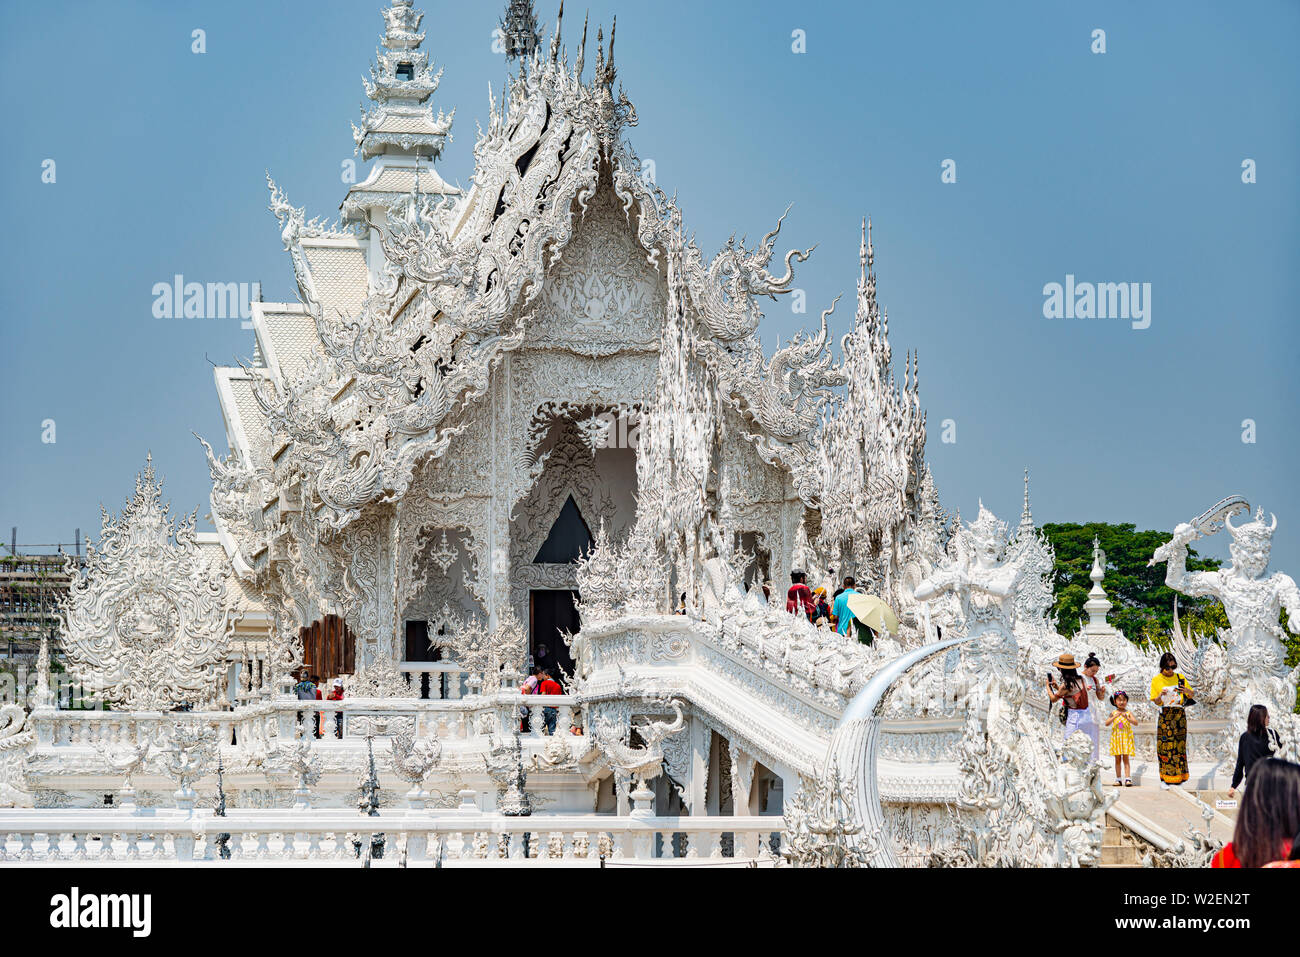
[[1171, 691]]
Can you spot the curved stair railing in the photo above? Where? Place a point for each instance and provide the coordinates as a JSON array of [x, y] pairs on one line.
[[854, 744]]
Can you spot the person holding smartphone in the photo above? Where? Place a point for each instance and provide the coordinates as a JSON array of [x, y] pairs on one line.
[[1073, 694], [1171, 692]]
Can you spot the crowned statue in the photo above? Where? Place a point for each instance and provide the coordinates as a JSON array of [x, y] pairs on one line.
[[1253, 602], [984, 589]]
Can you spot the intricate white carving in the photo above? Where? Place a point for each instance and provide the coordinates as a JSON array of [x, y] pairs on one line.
[[1256, 672], [150, 621], [817, 832], [414, 760]]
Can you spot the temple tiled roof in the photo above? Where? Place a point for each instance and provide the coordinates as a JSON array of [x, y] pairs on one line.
[[339, 275]]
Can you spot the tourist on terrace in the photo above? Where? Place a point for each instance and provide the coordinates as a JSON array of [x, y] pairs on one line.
[[1172, 693], [336, 694], [1256, 742], [799, 597], [1122, 746], [315, 679], [1072, 692], [305, 690], [840, 610], [823, 611], [1097, 690], [1269, 819], [549, 685], [529, 687]]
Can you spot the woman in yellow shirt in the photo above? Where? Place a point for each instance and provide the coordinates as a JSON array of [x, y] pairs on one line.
[[1171, 691]]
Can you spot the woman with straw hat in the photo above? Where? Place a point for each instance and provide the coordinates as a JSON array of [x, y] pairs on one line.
[[1073, 695]]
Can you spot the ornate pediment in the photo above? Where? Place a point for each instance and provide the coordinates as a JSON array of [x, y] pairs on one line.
[[149, 623]]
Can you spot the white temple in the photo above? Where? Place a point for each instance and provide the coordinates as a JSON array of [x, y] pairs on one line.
[[527, 424]]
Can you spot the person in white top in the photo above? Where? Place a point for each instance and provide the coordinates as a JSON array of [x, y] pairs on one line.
[[1099, 690], [1072, 692]]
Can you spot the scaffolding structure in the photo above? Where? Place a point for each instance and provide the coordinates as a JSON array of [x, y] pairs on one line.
[[34, 579]]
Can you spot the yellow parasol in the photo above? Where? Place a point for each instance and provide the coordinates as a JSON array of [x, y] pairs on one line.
[[874, 613]]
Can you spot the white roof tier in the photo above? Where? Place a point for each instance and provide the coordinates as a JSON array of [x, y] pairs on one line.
[[339, 276], [392, 181]]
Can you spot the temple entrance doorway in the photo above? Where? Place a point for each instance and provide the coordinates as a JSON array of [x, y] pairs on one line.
[[329, 648], [552, 612]]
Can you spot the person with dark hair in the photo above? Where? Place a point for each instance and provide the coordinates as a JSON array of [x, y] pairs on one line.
[[1122, 746], [1092, 665], [840, 613], [1098, 690], [1269, 817], [320, 696], [336, 694], [1294, 859], [799, 597], [305, 691], [1172, 693], [549, 685], [1073, 694], [529, 687], [1255, 743]]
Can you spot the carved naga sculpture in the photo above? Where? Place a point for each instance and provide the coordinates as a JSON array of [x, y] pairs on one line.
[[735, 276], [642, 764]]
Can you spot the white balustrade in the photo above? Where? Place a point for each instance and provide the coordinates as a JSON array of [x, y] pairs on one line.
[[452, 718], [446, 838]]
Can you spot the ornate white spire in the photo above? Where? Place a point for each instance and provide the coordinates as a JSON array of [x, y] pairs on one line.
[[1026, 516], [400, 127], [519, 29], [1097, 605], [1033, 553], [400, 85], [874, 442]]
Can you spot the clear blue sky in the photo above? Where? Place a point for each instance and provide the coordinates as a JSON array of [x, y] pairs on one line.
[[1124, 166]]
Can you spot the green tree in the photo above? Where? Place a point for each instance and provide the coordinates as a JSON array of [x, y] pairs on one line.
[[1144, 605]]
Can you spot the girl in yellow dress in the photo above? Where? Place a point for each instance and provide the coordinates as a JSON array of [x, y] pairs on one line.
[[1121, 738]]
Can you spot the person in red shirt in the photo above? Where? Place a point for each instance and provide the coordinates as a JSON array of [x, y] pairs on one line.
[[336, 694], [799, 598], [1269, 818], [549, 685]]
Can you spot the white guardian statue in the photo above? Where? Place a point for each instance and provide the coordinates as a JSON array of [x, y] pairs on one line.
[[985, 592], [1253, 601]]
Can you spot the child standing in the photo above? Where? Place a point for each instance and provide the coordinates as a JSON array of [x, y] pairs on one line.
[[1121, 738]]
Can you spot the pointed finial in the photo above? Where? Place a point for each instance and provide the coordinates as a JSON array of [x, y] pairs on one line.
[[555, 37], [582, 49]]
